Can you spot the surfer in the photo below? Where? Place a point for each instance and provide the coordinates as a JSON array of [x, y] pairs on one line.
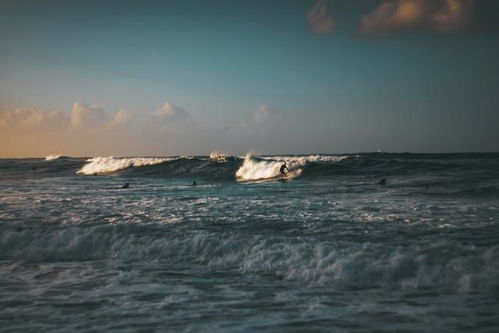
[[127, 185], [281, 170]]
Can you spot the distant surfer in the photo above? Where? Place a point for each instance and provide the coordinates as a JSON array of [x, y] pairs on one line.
[[282, 170], [127, 185], [382, 181], [194, 183]]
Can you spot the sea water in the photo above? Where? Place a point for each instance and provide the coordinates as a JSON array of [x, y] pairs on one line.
[[332, 250]]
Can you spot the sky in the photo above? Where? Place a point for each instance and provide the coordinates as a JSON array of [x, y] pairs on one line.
[[160, 78]]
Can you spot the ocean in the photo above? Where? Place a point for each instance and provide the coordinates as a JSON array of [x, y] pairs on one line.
[[334, 249]]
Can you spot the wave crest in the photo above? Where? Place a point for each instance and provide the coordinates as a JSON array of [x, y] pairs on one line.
[[253, 169], [52, 157], [268, 166], [303, 160], [99, 165]]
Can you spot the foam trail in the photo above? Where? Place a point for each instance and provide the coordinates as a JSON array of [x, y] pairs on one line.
[[99, 165]]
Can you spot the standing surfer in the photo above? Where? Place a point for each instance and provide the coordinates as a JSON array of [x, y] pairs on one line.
[[281, 170]]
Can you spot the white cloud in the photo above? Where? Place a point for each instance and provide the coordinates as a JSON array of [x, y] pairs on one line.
[[121, 119], [31, 119], [170, 113], [393, 16], [319, 18], [84, 116], [79, 118]]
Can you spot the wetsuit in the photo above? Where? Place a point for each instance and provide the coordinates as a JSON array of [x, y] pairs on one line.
[[281, 170]]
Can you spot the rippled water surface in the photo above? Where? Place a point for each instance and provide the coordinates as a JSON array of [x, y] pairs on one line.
[[331, 250]]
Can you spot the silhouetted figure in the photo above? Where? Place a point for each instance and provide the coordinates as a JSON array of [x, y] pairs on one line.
[[382, 181], [127, 185], [194, 183], [282, 168]]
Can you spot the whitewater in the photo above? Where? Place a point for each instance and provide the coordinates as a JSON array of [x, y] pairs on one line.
[[334, 249]]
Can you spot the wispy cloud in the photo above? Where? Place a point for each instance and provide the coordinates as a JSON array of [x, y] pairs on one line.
[[265, 113], [84, 116], [33, 119], [170, 113], [81, 117], [121, 119], [393, 16], [319, 18]]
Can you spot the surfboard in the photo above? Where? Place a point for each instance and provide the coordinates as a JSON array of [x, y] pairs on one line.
[[289, 176]]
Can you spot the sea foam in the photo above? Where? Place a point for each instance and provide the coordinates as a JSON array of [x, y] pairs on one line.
[[253, 169], [448, 266], [98, 165], [268, 166], [52, 157], [302, 160]]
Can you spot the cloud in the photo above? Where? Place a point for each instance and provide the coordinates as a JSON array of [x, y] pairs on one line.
[[84, 116], [170, 113], [319, 19], [30, 119], [264, 113], [91, 130], [79, 118], [393, 16], [453, 16], [121, 119]]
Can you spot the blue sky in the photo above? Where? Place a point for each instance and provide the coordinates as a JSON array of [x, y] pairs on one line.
[[291, 76]]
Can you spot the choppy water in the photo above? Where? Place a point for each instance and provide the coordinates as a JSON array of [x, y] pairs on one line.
[[328, 251]]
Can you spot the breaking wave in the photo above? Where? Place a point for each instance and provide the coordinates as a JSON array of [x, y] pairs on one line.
[[219, 166], [100, 165], [302, 160], [55, 157], [444, 168], [255, 169], [52, 157], [441, 266]]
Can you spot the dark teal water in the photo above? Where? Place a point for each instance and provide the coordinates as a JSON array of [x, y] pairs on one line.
[[331, 250]]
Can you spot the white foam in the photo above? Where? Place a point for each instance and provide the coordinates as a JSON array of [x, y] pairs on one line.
[[460, 267], [98, 165], [253, 169], [302, 160], [52, 157], [268, 166]]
